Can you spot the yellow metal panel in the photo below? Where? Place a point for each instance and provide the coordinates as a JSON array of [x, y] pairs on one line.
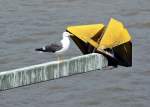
[[85, 32], [93, 43], [115, 34]]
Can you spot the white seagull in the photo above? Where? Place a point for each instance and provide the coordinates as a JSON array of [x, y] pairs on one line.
[[58, 49]]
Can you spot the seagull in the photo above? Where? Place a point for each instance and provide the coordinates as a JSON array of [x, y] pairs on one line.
[[57, 49]]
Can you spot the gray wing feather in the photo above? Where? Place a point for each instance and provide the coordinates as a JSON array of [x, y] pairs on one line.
[[53, 47]]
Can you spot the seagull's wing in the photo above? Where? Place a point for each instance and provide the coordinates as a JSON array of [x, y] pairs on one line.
[[53, 47], [50, 48]]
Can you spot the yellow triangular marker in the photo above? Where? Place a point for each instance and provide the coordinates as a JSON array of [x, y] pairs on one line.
[[115, 34], [86, 32]]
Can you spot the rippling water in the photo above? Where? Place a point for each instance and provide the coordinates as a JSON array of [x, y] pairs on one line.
[[27, 24]]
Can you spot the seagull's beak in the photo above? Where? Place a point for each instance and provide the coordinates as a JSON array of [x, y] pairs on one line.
[[67, 34], [71, 34]]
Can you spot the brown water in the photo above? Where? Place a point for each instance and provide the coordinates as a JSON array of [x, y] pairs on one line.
[[27, 24]]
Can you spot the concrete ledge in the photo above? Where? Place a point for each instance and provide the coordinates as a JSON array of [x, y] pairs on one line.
[[51, 70]]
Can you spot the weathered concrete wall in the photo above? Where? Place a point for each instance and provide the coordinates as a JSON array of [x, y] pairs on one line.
[[51, 70]]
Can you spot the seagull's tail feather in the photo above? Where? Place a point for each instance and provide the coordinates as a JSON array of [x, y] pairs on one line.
[[43, 49], [39, 49], [47, 48]]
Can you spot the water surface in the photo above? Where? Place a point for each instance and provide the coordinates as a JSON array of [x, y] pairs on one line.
[[27, 24]]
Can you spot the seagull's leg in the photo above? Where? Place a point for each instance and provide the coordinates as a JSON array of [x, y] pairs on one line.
[[59, 58]]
